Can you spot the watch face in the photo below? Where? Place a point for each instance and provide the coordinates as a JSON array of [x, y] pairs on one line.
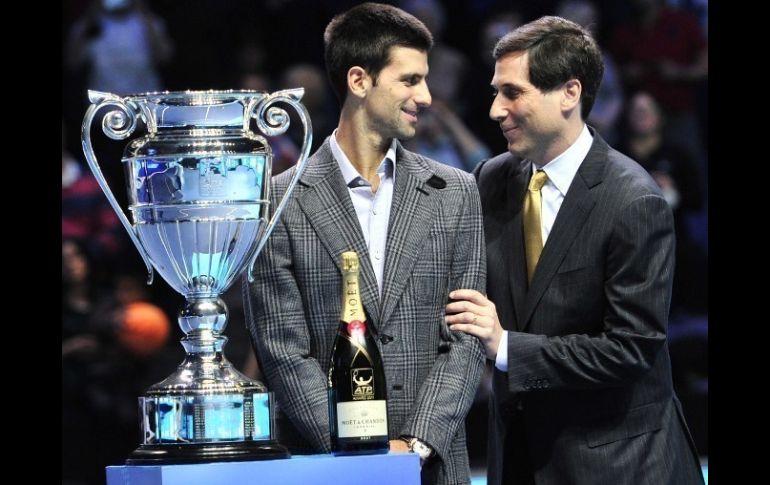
[[420, 448]]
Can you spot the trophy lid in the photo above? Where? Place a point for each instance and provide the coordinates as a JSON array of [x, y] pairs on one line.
[[197, 142], [189, 97], [197, 123], [198, 109]]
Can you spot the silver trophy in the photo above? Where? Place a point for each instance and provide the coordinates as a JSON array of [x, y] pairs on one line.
[[198, 189]]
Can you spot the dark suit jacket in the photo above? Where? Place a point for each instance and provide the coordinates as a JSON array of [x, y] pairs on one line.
[[435, 244], [589, 374]]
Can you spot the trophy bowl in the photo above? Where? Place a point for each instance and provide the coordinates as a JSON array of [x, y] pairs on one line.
[[198, 189]]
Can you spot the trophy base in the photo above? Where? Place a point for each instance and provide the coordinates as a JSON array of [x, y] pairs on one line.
[[172, 454]]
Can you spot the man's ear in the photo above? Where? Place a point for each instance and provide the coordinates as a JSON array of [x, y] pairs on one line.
[[359, 81], [571, 92]]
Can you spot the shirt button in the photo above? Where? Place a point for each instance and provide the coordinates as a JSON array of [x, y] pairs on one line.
[[374, 211]]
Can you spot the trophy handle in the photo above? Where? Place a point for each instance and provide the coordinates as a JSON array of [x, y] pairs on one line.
[[117, 125], [273, 121]]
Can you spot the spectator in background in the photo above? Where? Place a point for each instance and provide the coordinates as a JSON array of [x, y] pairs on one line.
[[117, 46], [85, 212], [123, 44], [678, 177], [664, 52], [442, 135], [108, 339]]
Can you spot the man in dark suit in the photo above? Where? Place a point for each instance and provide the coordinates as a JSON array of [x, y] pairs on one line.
[[580, 247], [417, 227]]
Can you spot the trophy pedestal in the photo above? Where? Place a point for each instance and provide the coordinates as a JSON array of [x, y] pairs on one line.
[[206, 411], [206, 453], [389, 469]]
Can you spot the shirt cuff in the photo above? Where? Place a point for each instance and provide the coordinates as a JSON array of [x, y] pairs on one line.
[[501, 361]]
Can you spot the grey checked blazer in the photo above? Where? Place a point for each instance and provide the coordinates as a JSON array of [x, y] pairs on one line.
[[589, 374], [435, 244]]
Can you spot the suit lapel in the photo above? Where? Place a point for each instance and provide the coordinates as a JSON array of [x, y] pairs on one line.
[[411, 213], [329, 210], [577, 205], [519, 179]]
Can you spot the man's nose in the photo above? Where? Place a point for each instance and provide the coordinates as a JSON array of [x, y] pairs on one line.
[[422, 96], [496, 111]]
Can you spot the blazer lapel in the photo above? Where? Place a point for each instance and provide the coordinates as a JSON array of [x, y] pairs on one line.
[[411, 212], [577, 205], [329, 210]]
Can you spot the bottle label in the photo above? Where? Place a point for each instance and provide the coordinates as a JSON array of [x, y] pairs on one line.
[[362, 383], [359, 419]]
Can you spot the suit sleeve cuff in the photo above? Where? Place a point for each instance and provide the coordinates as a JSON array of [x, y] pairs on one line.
[[501, 361]]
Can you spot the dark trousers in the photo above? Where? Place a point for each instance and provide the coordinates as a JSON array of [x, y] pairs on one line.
[[517, 466]]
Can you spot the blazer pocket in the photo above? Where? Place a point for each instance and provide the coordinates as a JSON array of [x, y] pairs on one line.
[[638, 421], [570, 276], [565, 269]]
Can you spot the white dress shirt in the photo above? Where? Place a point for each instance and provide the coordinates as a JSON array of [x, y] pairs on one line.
[[372, 208], [561, 170]]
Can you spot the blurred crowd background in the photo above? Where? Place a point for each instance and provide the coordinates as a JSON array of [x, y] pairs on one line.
[[119, 336]]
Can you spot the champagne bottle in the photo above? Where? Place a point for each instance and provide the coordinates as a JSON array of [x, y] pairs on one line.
[[358, 414]]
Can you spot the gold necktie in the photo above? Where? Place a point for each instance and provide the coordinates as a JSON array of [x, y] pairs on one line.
[[533, 226]]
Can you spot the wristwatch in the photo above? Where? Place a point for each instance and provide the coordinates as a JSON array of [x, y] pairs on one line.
[[420, 448]]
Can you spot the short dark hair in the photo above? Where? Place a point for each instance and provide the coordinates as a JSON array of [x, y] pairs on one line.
[[363, 36], [559, 50]]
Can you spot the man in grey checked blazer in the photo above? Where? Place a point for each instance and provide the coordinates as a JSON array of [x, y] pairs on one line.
[[582, 390], [434, 243]]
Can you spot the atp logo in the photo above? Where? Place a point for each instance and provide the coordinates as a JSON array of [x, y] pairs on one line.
[[362, 383]]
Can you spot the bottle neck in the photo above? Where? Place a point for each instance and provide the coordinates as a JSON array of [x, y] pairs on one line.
[[352, 308]]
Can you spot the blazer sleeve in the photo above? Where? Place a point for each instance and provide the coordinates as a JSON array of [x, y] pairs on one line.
[[638, 273], [276, 317], [447, 393]]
